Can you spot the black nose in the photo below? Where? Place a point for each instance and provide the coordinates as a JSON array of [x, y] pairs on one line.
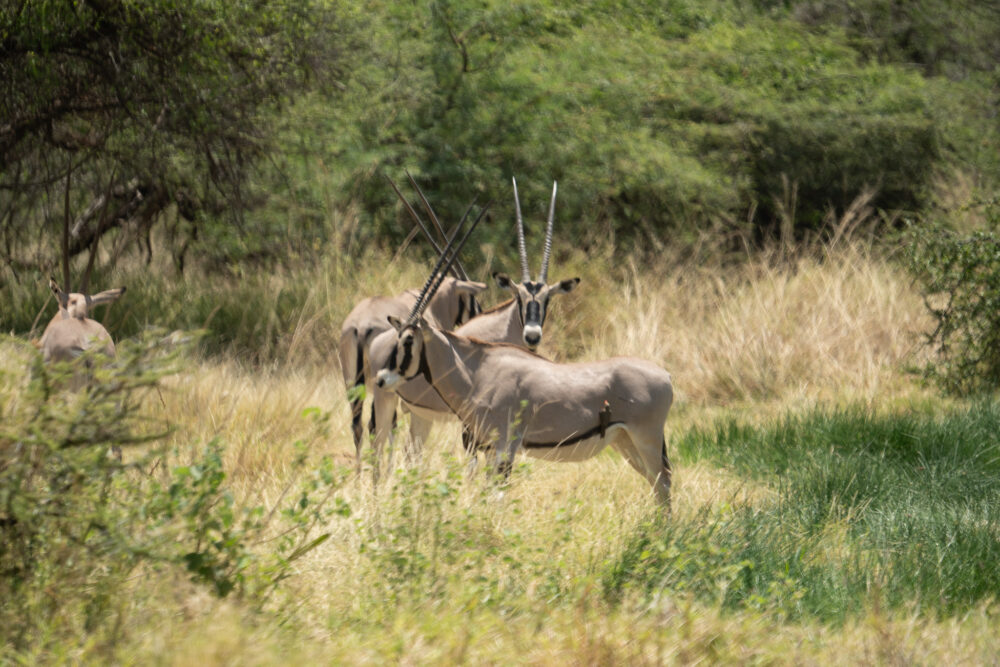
[[532, 339], [379, 382]]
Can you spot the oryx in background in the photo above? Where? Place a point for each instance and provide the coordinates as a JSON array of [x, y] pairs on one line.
[[453, 304], [510, 399], [71, 332], [517, 321]]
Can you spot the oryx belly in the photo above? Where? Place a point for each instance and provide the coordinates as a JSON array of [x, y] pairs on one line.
[[427, 413], [571, 449], [420, 398]]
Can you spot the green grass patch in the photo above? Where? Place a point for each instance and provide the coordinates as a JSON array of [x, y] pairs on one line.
[[869, 510]]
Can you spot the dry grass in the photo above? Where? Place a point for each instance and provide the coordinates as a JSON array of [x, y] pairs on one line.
[[771, 333]]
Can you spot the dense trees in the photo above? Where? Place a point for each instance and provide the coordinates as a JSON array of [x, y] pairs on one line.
[[661, 120], [114, 111]]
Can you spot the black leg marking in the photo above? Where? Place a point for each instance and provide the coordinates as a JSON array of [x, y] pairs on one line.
[[469, 443], [358, 405], [356, 426], [504, 469]]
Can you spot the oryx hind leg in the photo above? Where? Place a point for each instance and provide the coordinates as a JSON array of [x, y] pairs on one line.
[[352, 368], [647, 454]]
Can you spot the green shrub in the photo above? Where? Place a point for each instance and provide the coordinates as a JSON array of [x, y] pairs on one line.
[[960, 280], [75, 521]]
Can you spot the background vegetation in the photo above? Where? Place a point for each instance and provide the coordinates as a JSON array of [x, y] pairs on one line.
[[781, 203]]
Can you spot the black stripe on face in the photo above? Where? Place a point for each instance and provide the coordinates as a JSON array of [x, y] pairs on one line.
[[461, 312], [532, 312], [407, 356]]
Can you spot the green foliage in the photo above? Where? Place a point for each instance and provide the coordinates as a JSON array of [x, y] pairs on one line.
[[960, 280], [951, 37], [433, 540], [674, 119], [659, 119], [75, 521], [868, 510], [117, 111], [219, 536]]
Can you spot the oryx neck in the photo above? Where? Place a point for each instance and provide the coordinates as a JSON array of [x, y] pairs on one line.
[[499, 324]]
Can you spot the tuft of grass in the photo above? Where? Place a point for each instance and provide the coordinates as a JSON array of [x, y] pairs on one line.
[[899, 510]]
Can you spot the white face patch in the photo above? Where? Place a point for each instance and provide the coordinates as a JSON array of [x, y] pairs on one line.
[[532, 335], [76, 306], [387, 379]]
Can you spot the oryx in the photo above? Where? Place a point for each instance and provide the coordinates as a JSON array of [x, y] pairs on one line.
[[453, 304], [511, 399], [517, 321], [70, 332]]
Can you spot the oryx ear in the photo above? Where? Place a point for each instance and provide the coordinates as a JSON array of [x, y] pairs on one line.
[[469, 286], [395, 322], [107, 296], [503, 280], [61, 297], [566, 286]]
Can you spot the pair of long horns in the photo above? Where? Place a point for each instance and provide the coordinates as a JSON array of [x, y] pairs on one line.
[[525, 275], [458, 270], [448, 256]]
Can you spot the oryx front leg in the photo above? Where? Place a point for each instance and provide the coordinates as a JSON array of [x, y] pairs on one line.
[[420, 431], [383, 428]]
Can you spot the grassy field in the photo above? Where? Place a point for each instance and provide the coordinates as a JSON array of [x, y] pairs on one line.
[[827, 507]]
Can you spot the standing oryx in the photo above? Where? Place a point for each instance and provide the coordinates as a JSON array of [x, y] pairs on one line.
[[510, 399], [452, 305], [70, 332], [518, 321]]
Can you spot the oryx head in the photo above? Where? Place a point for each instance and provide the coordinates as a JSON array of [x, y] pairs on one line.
[[74, 304], [406, 360], [533, 296]]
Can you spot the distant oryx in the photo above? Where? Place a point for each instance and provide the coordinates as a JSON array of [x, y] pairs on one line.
[[452, 305], [518, 321], [509, 398], [70, 332]]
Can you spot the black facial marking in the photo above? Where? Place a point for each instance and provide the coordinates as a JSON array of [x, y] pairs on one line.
[[461, 311], [392, 360], [407, 354], [534, 288], [533, 312]]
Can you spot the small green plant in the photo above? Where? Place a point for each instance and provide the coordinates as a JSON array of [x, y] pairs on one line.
[[75, 520], [960, 277]]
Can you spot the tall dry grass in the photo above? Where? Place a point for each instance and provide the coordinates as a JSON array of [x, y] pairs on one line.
[[771, 332]]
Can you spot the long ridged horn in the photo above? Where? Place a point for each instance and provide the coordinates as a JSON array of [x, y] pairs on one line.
[[420, 223], [426, 297], [525, 276], [430, 279], [459, 269], [543, 277]]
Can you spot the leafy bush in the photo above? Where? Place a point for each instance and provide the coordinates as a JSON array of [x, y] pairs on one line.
[[74, 521], [960, 278]]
